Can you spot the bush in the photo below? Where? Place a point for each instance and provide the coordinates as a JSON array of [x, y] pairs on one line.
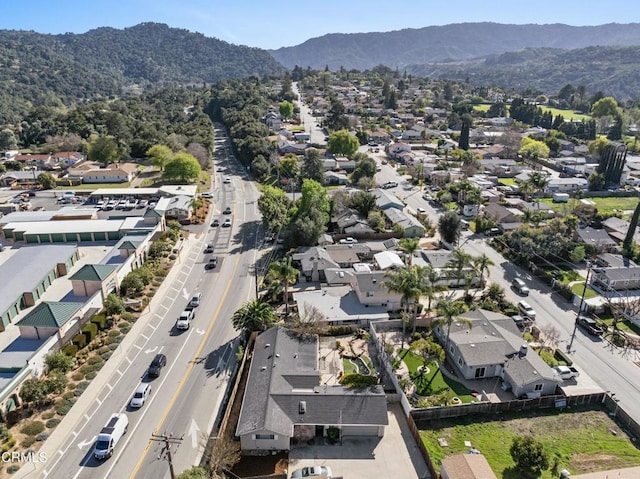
[[98, 366], [102, 350], [9, 444], [48, 415], [68, 395], [548, 357], [63, 408], [27, 442], [129, 317], [91, 375], [85, 368], [106, 355], [70, 350], [53, 422], [43, 436], [100, 320], [113, 346], [339, 330], [355, 380], [82, 385], [77, 376], [561, 356], [59, 361], [13, 468], [80, 341], [125, 330], [123, 324], [32, 428], [95, 360], [114, 333], [90, 330]]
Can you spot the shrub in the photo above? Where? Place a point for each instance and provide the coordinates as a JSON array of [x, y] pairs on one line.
[[125, 330], [48, 415], [90, 330], [85, 368], [53, 422], [68, 395], [13, 468], [91, 375], [100, 320], [561, 356], [32, 428], [98, 366], [339, 330], [548, 357], [114, 333], [70, 350], [9, 444], [63, 408], [113, 346], [102, 350], [106, 355], [95, 360], [77, 376], [355, 380], [129, 317], [80, 340], [27, 442], [42, 436], [82, 385]]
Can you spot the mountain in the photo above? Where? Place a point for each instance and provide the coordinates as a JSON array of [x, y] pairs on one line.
[[462, 41], [55, 70], [613, 70]]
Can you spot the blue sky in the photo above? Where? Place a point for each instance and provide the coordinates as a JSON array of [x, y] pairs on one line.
[[277, 23]]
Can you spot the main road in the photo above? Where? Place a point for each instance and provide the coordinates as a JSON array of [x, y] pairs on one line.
[[611, 368], [186, 398]]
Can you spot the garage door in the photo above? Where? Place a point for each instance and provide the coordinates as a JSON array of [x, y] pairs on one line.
[[359, 431]]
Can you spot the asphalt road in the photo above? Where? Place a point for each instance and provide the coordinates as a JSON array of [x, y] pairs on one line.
[[612, 369], [185, 399], [316, 135]]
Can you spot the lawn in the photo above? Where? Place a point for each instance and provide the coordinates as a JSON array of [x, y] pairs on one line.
[[482, 108], [508, 181], [432, 382], [578, 441], [578, 289], [94, 186], [568, 115], [348, 367], [604, 205]]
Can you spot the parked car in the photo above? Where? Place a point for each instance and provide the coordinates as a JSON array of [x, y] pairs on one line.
[[427, 197], [590, 325], [157, 364], [526, 310], [207, 195], [520, 287], [348, 240], [421, 211], [566, 372], [142, 204], [140, 395], [312, 471], [390, 184]]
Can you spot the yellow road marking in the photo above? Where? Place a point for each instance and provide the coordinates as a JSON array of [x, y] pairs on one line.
[[189, 368]]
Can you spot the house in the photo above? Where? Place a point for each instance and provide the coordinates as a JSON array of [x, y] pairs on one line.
[[337, 304], [114, 173], [312, 263], [609, 260], [566, 185], [371, 289], [346, 218], [466, 466], [273, 121], [395, 149], [440, 261], [44, 162], [616, 278], [492, 346], [597, 238], [411, 226], [388, 260], [385, 200], [285, 401], [21, 179], [504, 217], [179, 208], [335, 178]]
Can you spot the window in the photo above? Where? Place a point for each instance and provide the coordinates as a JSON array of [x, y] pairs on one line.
[[451, 348], [538, 387], [479, 373], [370, 294], [460, 362], [265, 436]]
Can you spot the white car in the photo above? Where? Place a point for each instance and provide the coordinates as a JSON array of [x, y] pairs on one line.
[[227, 180], [312, 471], [420, 210], [140, 395], [227, 223], [207, 195], [348, 240]]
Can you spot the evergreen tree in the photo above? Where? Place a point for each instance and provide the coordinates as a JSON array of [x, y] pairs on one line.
[[627, 245]]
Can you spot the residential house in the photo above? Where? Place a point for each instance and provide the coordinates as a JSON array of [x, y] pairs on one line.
[[502, 168], [616, 278], [313, 262], [440, 261], [395, 149], [43, 162], [20, 179], [115, 173], [386, 200], [335, 178], [411, 226], [598, 238], [346, 218], [379, 136], [504, 217], [273, 121], [466, 466], [285, 147], [492, 346], [609, 260], [179, 208], [566, 185], [388, 260], [285, 401], [371, 289]]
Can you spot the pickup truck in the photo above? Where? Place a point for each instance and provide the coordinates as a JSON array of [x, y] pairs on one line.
[[566, 372], [185, 318]]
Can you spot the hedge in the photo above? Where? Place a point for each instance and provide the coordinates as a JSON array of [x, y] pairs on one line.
[[32, 428], [355, 380], [90, 330], [100, 320], [80, 340], [560, 355], [339, 330], [53, 422], [70, 350]]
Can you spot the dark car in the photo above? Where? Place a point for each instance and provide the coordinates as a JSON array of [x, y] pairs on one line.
[[208, 249], [213, 262], [590, 325], [157, 364], [227, 210], [215, 223]]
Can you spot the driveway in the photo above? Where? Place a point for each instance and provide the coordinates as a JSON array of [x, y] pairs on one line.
[[394, 455]]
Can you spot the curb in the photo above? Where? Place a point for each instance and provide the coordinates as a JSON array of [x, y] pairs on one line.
[[84, 404]]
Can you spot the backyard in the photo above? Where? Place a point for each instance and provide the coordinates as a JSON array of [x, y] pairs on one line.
[[581, 441], [618, 204]]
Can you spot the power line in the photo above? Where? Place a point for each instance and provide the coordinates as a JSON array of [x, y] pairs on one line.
[[167, 441]]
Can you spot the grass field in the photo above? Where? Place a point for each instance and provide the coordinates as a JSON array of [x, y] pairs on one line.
[[604, 205], [578, 441], [481, 108], [578, 289], [94, 186], [566, 114]]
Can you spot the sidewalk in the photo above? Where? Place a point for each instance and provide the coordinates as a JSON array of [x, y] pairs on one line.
[[86, 402], [628, 473]]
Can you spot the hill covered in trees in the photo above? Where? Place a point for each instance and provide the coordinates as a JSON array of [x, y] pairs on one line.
[[63, 70], [461, 41]]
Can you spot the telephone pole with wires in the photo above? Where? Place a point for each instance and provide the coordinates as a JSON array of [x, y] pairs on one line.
[[168, 441]]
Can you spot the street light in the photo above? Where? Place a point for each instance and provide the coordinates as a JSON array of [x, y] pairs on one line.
[[575, 326]]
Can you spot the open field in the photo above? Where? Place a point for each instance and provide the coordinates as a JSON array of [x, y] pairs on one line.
[[604, 205], [578, 441], [568, 115]]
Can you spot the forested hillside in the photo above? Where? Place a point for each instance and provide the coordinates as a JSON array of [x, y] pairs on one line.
[[57, 70]]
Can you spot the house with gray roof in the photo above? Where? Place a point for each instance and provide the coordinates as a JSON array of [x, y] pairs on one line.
[[179, 208], [312, 263], [616, 278], [411, 226], [598, 238], [285, 402], [371, 289], [492, 346], [386, 200]]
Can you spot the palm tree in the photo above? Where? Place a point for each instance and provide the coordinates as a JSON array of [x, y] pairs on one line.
[[287, 274], [254, 315], [449, 310], [411, 283], [459, 261], [481, 264], [409, 246], [433, 276], [538, 181]]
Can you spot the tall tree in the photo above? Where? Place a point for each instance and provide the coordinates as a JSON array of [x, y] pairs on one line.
[[342, 142], [449, 311], [274, 205], [481, 264], [449, 227], [467, 122], [159, 155], [283, 271], [460, 260], [627, 245], [254, 315], [182, 167], [411, 283], [312, 166], [104, 150], [409, 246], [286, 109]]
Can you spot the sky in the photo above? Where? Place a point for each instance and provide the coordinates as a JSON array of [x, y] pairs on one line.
[[272, 24]]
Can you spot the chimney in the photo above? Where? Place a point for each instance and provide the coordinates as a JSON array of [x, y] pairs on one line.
[[523, 350]]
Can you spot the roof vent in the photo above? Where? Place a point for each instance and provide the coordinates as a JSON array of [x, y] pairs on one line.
[[277, 355], [263, 368], [374, 280], [302, 407], [275, 364], [523, 350], [268, 345], [295, 355]]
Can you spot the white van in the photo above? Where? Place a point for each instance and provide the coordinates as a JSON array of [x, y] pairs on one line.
[[526, 310], [109, 436]]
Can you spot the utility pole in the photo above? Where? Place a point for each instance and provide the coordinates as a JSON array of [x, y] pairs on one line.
[[166, 450]]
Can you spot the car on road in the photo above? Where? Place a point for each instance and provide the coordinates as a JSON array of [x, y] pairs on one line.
[[212, 263], [227, 180], [215, 223], [157, 364], [312, 471], [227, 223], [384, 162], [427, 197], [185, 318], [526, 310], [520, 287], [421, 211], [390, 184], [140, 395], [348, 240], [207, 195], [590, 325], [227, 210], [195, 300], [208, 249]]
